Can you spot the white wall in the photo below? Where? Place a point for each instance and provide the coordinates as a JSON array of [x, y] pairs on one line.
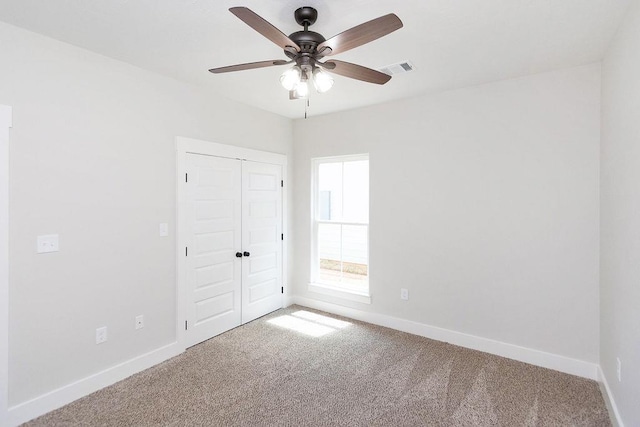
[[484, 204], [620, 217], [93, 159], [497, 186], [5, 124]]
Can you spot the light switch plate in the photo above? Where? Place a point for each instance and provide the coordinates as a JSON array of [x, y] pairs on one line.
[[164, 229], [48, 243]]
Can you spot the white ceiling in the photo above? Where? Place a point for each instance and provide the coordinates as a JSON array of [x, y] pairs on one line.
[[452, 43]]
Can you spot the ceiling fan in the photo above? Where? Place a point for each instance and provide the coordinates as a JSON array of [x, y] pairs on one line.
[[307, 48]]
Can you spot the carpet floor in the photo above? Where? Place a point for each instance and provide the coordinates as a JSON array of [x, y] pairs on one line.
[[298, 366]]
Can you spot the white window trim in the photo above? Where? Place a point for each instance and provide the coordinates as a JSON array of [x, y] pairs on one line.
[[314, 285], [323, 289]]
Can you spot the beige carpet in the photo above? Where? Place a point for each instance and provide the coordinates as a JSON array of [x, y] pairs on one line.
[[355, 374]]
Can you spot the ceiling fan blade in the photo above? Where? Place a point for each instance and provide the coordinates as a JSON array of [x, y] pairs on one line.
[[355, 71], [361, 34], [248, 66], [265, 28]]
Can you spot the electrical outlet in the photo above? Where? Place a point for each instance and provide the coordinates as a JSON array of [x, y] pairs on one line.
[[404, 294], [619, 369], [101, 335], [139, 322]]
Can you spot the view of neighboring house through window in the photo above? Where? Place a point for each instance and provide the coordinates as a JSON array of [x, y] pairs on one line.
[[341, 223]]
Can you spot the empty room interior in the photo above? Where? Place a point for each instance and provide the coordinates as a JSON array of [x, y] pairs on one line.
[[320, 212]]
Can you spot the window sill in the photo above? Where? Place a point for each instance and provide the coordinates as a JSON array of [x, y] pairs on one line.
[[332, 291]]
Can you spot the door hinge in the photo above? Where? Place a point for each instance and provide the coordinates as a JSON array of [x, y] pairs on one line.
[[186, 177], [186, 251], [186, 325], [282, 237], [281, 183], [282, 290]]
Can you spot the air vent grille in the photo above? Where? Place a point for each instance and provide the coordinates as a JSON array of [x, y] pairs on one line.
[[399, 68]]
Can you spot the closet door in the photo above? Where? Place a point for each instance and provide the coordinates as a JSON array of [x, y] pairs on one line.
[[261, 239], [213, 228]]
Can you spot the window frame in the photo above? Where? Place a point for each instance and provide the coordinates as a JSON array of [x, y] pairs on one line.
[[326, 288]]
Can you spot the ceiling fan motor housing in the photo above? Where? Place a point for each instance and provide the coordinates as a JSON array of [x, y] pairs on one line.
[[307, 40]]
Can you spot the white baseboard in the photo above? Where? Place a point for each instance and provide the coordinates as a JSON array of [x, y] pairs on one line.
[[55, 399], [616, 420], [40, 405], [287, 301], [522, 354]]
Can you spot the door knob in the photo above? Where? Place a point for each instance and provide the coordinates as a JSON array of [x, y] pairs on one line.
[[246, 253], [239, 254]]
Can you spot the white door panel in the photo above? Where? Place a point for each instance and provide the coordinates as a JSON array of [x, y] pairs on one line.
[[261, 237], [213, 226], [232, 206]]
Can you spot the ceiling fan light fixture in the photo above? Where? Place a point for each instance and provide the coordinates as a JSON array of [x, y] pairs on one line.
[[322, 81], [290, 78], [301, 90]]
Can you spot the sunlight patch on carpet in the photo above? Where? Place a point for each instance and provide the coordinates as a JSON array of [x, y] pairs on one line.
[[323, 320], [308, 323]]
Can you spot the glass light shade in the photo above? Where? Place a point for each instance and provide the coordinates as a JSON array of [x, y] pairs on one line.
[[321, 80], [301, 90], [290, 78]]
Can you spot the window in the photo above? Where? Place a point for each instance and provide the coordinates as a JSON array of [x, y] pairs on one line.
[[340, 255]]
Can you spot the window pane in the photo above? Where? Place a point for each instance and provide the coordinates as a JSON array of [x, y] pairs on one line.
[[343, 252], [330, 189], [355, 257], [356, 191], [342, 197], [324, 205], [330, 252]]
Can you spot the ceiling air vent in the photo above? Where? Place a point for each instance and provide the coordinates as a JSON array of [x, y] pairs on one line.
[[399, 68]]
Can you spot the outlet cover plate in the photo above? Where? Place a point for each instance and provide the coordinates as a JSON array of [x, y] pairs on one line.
[[101, 335], [139, 322]]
